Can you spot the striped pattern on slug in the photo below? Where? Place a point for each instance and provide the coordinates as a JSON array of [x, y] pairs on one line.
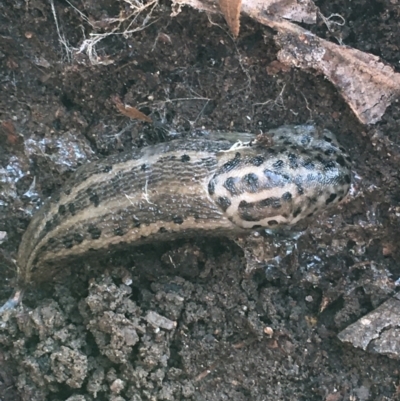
[[180, 189]]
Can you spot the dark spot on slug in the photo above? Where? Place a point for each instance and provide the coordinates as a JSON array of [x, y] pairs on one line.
[[278, 164], [310, 214], [342, 149], [230, 185], [167, 158], [275, 203], [256, 226], [67, 192], [211, 187], [275, 179], [243, 204], [341, 161], [246, 213], [287, 142], [177, 219], [35, 264], [272, 223], [94, 198], [162, 230], [71, 208], [329, 152], [119, 231], [257, 161], [300, 189], [136, 222], [223, 202], [347, 179], [305, 140], [331, 198], [107, 169], [95, 232], [327, 139], [231, 164], [287, 196], [78, 238], [251, 182], [68, 242], [330, 165], [340, 199], [55, 198], [292, 160], [309, 165], [185, 158], [257, 211], [48, 225], [62, 210], [297, 212], [144, 167]]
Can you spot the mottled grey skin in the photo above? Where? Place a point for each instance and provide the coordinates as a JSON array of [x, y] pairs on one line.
[[301, 173], [181, 189]]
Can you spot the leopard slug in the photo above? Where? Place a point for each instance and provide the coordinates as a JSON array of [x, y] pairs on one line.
[[185, 188]]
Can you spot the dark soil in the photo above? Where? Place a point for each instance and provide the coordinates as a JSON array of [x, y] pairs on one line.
[[186, 321]]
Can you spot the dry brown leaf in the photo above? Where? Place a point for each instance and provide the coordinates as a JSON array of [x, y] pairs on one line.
[[8, 134], [231, 10], [276, 66], [333, 397], [129, 111], [294, 10], [365, 82]]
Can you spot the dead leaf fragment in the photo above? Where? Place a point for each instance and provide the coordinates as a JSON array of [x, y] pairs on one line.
[[231, 10], [367, 84], [8, 134], [276, 66], [129, 111], [294, 10], [333, 397]]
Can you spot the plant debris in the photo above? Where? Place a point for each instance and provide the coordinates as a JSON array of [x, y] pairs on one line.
[[367, 84], [378, 331], [231, 11], [129, 111]]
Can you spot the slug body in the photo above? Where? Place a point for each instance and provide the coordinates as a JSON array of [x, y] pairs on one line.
[[185, 188]]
